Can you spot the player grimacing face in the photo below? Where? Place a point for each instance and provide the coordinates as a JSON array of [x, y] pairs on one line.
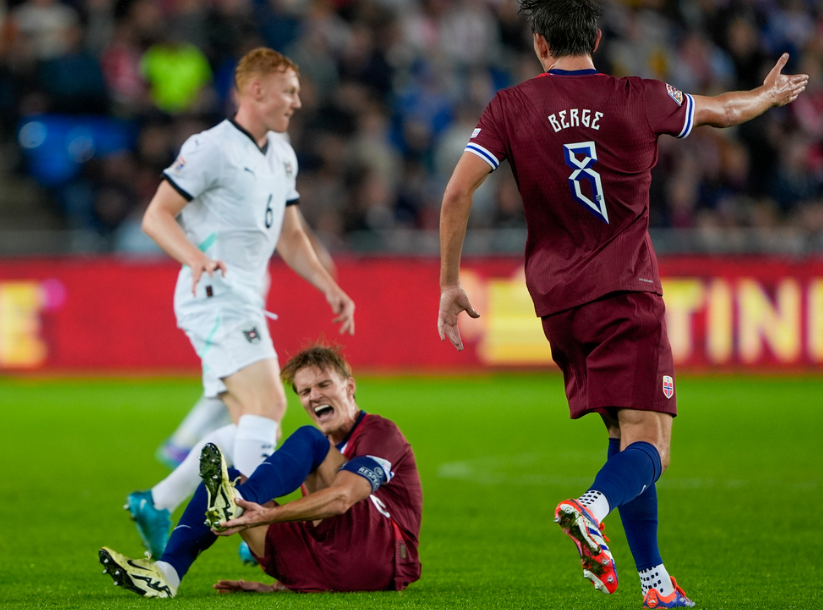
[[328, 398], [280, 98]]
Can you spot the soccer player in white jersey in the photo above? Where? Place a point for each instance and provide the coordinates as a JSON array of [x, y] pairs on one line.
[[223, 207]]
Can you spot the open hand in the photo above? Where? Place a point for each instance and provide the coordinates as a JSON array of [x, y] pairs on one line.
[[453, 300], [242, 586], [784, 88], [343, 307]]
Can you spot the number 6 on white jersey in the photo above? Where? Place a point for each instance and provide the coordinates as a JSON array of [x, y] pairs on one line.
[[583, 169]]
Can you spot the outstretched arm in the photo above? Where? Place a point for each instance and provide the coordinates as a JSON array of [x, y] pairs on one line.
[[468, 175], [295, 248], [159, 223], [346, 490], [733, 108]]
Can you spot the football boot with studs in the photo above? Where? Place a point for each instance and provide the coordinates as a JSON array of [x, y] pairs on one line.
[[677, 599], [578, 523], [153, 524], [138, 575], [222, 494]]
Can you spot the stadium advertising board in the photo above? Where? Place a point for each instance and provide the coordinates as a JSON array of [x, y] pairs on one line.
[[109, 315]]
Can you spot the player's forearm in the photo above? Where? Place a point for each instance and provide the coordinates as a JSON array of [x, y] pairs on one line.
[[733, 108], [323, 504], [297, 252], [454, 218], [164, 230]]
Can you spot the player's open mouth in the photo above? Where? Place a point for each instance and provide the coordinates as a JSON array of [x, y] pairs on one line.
[[324, 412]]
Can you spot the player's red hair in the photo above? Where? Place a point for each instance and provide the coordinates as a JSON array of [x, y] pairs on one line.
[[260, 62]]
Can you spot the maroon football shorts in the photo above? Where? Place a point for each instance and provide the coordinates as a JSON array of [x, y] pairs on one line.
[[615, 354], [354, 551]]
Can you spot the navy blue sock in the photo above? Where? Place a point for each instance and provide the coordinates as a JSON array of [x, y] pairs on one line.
[[286, 469], [280, 474], [628, 473], [191, 536], [639, 517]]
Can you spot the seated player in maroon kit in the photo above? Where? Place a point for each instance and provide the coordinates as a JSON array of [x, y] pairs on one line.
[[355, 529], [581, 146]]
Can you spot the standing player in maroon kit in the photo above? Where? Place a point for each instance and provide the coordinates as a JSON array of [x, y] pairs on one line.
[[581, 146], [357, 527]]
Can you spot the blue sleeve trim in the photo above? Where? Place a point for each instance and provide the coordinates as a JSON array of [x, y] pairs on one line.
[[689, 122], [185, 195], [484, 154], [370, 469]]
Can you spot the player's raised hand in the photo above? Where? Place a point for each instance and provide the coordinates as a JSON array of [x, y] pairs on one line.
[[343, 307], [784, 88], [453, 300], [253, 515], [205, 265]]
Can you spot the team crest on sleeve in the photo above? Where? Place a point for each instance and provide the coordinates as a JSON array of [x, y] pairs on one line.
[[675, 94], [475, 133], [287, 167], [668, 386], [179, 164]]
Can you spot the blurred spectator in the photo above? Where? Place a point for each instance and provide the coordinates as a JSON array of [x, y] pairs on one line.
[[178, 74], [391, 91], [73, 81], [44, 23]]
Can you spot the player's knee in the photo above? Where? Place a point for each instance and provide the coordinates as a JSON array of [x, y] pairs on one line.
[[315, 442], [664, 459]]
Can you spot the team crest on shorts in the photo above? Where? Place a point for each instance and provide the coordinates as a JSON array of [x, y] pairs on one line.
[[253, 335], [675, 94], [668, 386]]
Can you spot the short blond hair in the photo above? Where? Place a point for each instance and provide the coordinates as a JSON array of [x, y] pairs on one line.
[[327, 358], [261, 62]]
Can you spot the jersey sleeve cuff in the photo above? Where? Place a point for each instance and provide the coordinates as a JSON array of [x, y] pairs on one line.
[[689, 122], [483, 154], [177, 188], [292, 202]]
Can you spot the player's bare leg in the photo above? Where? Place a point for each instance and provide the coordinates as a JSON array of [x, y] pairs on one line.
[[646, 426], [257, 403], [639, 516], [644, 439]]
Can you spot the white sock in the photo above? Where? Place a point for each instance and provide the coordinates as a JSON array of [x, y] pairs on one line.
[[169, 572], [597, 503], [207, 415], [656, 578], [256, 440], [183, 480]]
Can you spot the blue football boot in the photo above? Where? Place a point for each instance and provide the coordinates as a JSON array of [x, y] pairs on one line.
[[153, 524], [245, 554]]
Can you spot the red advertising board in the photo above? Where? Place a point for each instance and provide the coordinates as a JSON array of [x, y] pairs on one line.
[[110, 315]]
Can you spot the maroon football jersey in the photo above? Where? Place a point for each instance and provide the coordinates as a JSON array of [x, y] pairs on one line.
[[401, 499], [581, 146], [370, 547]]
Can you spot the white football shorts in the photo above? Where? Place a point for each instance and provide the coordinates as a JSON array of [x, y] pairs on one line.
[[228, 336]]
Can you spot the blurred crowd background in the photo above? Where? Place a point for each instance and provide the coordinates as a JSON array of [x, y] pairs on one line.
[[97, 96]]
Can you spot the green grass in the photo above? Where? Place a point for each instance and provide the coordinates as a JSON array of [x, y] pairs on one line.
[[739, 506]]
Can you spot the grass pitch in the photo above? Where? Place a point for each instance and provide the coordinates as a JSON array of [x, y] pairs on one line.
[[739, 506]]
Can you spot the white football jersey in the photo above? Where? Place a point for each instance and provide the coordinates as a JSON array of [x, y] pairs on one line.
[[237, 196]]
